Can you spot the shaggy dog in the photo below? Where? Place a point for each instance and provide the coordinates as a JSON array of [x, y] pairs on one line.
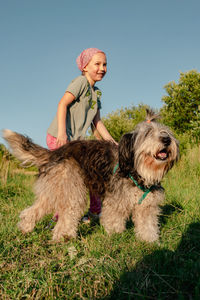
[[126, 177]]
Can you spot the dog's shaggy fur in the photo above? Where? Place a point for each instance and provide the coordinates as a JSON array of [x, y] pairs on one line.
[[142, 159]]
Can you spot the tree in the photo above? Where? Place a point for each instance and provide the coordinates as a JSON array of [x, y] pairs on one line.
[[181, 109]]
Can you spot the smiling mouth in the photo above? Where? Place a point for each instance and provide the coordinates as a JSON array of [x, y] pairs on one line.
[[162, 155]]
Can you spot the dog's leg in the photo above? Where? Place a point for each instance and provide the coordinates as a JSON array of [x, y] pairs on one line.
[[69, 217], [31, 215], [66, 226], [114, 214], [70, 205], [145, 219]]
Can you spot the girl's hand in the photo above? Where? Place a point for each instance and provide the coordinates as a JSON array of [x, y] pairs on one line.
[[117, 144], [101, 129], [61, 140]]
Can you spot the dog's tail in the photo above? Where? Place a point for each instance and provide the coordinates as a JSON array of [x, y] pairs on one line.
[[25, 150]]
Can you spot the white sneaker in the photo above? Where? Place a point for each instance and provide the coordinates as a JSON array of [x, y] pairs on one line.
[[90, 216]]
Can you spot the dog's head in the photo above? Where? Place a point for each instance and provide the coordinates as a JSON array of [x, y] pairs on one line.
[[149, 151]]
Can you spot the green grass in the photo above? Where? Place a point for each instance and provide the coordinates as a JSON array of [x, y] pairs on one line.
[[96, 266]]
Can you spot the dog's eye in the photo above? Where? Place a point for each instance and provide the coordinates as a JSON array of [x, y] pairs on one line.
[[166, 140]]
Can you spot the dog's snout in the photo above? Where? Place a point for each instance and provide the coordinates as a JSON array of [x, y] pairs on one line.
[[166, 140]]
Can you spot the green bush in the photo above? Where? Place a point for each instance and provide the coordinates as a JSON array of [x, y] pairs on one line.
[[123, 120]]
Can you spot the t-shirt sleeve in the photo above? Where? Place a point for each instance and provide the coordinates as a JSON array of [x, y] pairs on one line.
[[77, 86]]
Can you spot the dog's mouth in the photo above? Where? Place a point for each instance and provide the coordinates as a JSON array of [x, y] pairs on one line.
[[162, 155]]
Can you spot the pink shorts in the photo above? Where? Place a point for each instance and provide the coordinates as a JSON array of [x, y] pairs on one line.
[[51, 142]]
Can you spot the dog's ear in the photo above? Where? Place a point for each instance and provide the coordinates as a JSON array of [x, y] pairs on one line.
[[126, 153]]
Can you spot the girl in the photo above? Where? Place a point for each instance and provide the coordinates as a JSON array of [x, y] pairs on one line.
[[79, 108]]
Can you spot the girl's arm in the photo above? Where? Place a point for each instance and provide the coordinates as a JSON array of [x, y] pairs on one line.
[[61, 115], [102, 129], [95, 132]]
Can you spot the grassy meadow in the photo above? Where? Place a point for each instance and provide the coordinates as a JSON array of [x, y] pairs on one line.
[[98, 266]]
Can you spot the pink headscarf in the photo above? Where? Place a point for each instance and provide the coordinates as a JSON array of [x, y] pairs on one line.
[[85, 56]]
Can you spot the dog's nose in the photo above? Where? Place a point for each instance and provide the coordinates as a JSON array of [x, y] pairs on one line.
[[166, 140]]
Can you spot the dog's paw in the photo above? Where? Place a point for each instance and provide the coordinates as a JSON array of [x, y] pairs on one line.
[[59, 235], [25, 226], [149, 237]]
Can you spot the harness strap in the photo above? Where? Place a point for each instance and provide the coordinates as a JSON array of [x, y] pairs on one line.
[[146, 191]]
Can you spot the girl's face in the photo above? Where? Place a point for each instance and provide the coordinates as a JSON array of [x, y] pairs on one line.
[[96, 68]]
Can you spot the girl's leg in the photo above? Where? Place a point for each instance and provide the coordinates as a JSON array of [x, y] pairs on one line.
[[95, 209], [95, 204]]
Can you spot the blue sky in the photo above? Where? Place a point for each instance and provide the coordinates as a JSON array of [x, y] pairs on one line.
[[148, 43]]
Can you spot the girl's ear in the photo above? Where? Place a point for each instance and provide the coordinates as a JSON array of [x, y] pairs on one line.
[[84, 69], [126, 153]]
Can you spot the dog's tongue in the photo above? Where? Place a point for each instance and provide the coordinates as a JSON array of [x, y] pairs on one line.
[[162, 154]]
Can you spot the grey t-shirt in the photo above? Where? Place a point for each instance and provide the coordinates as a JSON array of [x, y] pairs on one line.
[[81, 112]]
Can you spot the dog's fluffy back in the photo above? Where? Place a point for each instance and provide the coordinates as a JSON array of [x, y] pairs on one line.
[[96, 159]]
